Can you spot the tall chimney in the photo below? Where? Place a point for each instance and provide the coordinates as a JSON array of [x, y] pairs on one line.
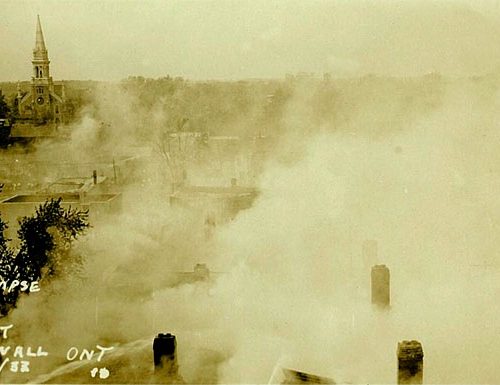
[[381, 286], [234, 182], [410, 362], [94, 176], [165, 356]]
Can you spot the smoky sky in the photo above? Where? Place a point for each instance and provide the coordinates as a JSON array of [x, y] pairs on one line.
[[251, 39]]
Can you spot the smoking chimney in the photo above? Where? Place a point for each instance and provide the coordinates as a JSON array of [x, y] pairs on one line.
[[94, 176], [410, 362], [381, 289], [234, 182], [164, 355]]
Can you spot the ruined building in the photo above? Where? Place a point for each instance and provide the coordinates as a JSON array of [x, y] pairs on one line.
[[45, 101], [216, 204]]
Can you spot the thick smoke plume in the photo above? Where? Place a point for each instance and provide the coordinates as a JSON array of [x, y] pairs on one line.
[[296, 289]]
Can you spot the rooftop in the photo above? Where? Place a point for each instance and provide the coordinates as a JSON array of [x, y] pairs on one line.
[[29, 130], [295, 377], [72, 185], [214, 191], [66, 198]]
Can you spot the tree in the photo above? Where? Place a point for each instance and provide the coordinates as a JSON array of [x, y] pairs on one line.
[[45, 249], [4, 107], [173, 148], [7, 267]]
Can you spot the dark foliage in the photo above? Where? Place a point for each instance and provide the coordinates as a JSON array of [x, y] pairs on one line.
[[4, 107], [45, 247]]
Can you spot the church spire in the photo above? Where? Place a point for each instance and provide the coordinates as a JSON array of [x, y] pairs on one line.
[[40, 53], [40, 43]]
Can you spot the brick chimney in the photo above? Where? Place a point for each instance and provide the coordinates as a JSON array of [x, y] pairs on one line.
[[381, 286], [165, 355], [410, 362]]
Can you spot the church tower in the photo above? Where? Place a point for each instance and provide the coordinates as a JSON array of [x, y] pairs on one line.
[[45, 103], [41, 81]]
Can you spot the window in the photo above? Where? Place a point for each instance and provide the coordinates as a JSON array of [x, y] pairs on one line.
[[38, 72]]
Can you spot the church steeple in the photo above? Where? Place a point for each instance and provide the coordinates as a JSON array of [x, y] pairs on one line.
[[45, 102], [40, 43], [40, 54]]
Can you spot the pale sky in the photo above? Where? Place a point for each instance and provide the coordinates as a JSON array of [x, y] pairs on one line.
[[239, 39]]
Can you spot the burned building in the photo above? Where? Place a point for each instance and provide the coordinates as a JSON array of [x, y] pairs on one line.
[[200, 275], [216, 205]]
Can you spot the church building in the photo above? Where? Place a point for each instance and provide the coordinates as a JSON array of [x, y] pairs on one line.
[[45, 102]]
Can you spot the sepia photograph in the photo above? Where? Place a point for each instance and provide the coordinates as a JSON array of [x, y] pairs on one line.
[[249, 192]]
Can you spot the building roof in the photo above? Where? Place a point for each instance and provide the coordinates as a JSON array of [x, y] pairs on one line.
[[20, 130], [66, 198], [69, 185], [296, 377], [282, 375], [214, 191]]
